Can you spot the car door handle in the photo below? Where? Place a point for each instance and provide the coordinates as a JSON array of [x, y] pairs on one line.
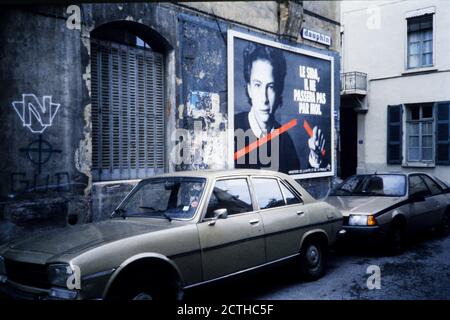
[[300, 213], [254, 221]]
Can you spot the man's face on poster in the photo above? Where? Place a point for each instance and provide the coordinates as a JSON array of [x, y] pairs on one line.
[[261, 91]]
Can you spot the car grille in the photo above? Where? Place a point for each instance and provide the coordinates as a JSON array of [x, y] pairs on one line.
[[29, 274]]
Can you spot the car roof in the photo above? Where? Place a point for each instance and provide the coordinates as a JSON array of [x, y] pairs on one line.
[[220, 173], [392, 173]]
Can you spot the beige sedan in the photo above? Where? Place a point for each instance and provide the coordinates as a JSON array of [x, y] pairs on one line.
[[173, 232], [388, 207]]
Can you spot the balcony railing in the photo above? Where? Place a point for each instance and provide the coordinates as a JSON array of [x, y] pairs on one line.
[[353, 83]]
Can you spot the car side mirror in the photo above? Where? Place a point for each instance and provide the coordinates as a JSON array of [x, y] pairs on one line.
[[417, 197], [218, 214], [221, 213]]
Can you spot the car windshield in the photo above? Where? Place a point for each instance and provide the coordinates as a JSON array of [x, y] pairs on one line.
[[393, 185], [166, 198]]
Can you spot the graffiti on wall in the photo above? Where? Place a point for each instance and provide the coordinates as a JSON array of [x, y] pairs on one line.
[[37, 115], [42, 183], [39, 152]]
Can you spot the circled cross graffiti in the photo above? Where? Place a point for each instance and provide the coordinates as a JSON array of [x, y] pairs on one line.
[[39, 152]]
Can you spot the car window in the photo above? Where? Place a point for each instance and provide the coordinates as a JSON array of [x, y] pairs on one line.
[[268, 193], [289, 196], [174, 197], [434, 188], [391, 185], [230, 194], [416, 185]]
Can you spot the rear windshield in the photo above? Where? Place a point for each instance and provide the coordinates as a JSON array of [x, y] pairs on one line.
[[389, 185]]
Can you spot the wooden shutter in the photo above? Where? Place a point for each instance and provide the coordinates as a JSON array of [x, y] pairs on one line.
[[127, 111], [394, 134], [443, 133]]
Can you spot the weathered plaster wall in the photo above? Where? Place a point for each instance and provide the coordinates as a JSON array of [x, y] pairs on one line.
[[202, 108], [40, 79], [263, 14]]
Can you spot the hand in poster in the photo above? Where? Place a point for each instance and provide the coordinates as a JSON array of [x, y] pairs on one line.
[[316, 145]]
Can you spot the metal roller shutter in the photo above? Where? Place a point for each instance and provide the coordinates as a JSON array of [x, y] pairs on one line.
[[127, 111]]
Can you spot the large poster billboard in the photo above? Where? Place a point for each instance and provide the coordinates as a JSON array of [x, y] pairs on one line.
[[280, 102]]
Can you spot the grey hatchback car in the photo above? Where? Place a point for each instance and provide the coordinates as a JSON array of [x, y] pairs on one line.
[[386, 207], [173, 232]]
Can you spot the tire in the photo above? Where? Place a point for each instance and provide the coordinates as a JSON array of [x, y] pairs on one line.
[[313, 260], [143, 296], [395, 242], [136, 292], [140, 289], [444, 227]]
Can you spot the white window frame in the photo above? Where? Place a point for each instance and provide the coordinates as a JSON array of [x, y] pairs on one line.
[[415, 14]]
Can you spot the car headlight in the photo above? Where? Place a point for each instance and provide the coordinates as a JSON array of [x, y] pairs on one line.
[[361, 220], [2, 266], [58, 274]]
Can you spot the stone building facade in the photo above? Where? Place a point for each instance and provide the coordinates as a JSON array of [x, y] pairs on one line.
[[67, 160]]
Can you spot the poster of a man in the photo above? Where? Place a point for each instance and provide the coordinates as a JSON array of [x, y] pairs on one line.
[[273, 129]]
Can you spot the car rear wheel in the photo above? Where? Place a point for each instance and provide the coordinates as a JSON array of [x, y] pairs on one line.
[[312, 260], [396, 239]]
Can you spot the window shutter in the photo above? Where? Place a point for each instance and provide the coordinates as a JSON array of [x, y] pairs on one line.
[[158, 88], [443, 133], [394, 134], [127, 111]]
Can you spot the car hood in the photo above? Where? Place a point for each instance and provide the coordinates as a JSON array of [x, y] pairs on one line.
[[75, 239], [362, 204]]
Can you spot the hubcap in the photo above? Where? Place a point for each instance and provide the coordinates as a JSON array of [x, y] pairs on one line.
[[313, 256]]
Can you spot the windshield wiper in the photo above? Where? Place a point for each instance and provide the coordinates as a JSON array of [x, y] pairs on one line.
[[119, 211], [163, 213]]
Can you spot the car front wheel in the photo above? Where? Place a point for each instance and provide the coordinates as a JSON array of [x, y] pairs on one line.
[[143, 296], [395, 241]]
